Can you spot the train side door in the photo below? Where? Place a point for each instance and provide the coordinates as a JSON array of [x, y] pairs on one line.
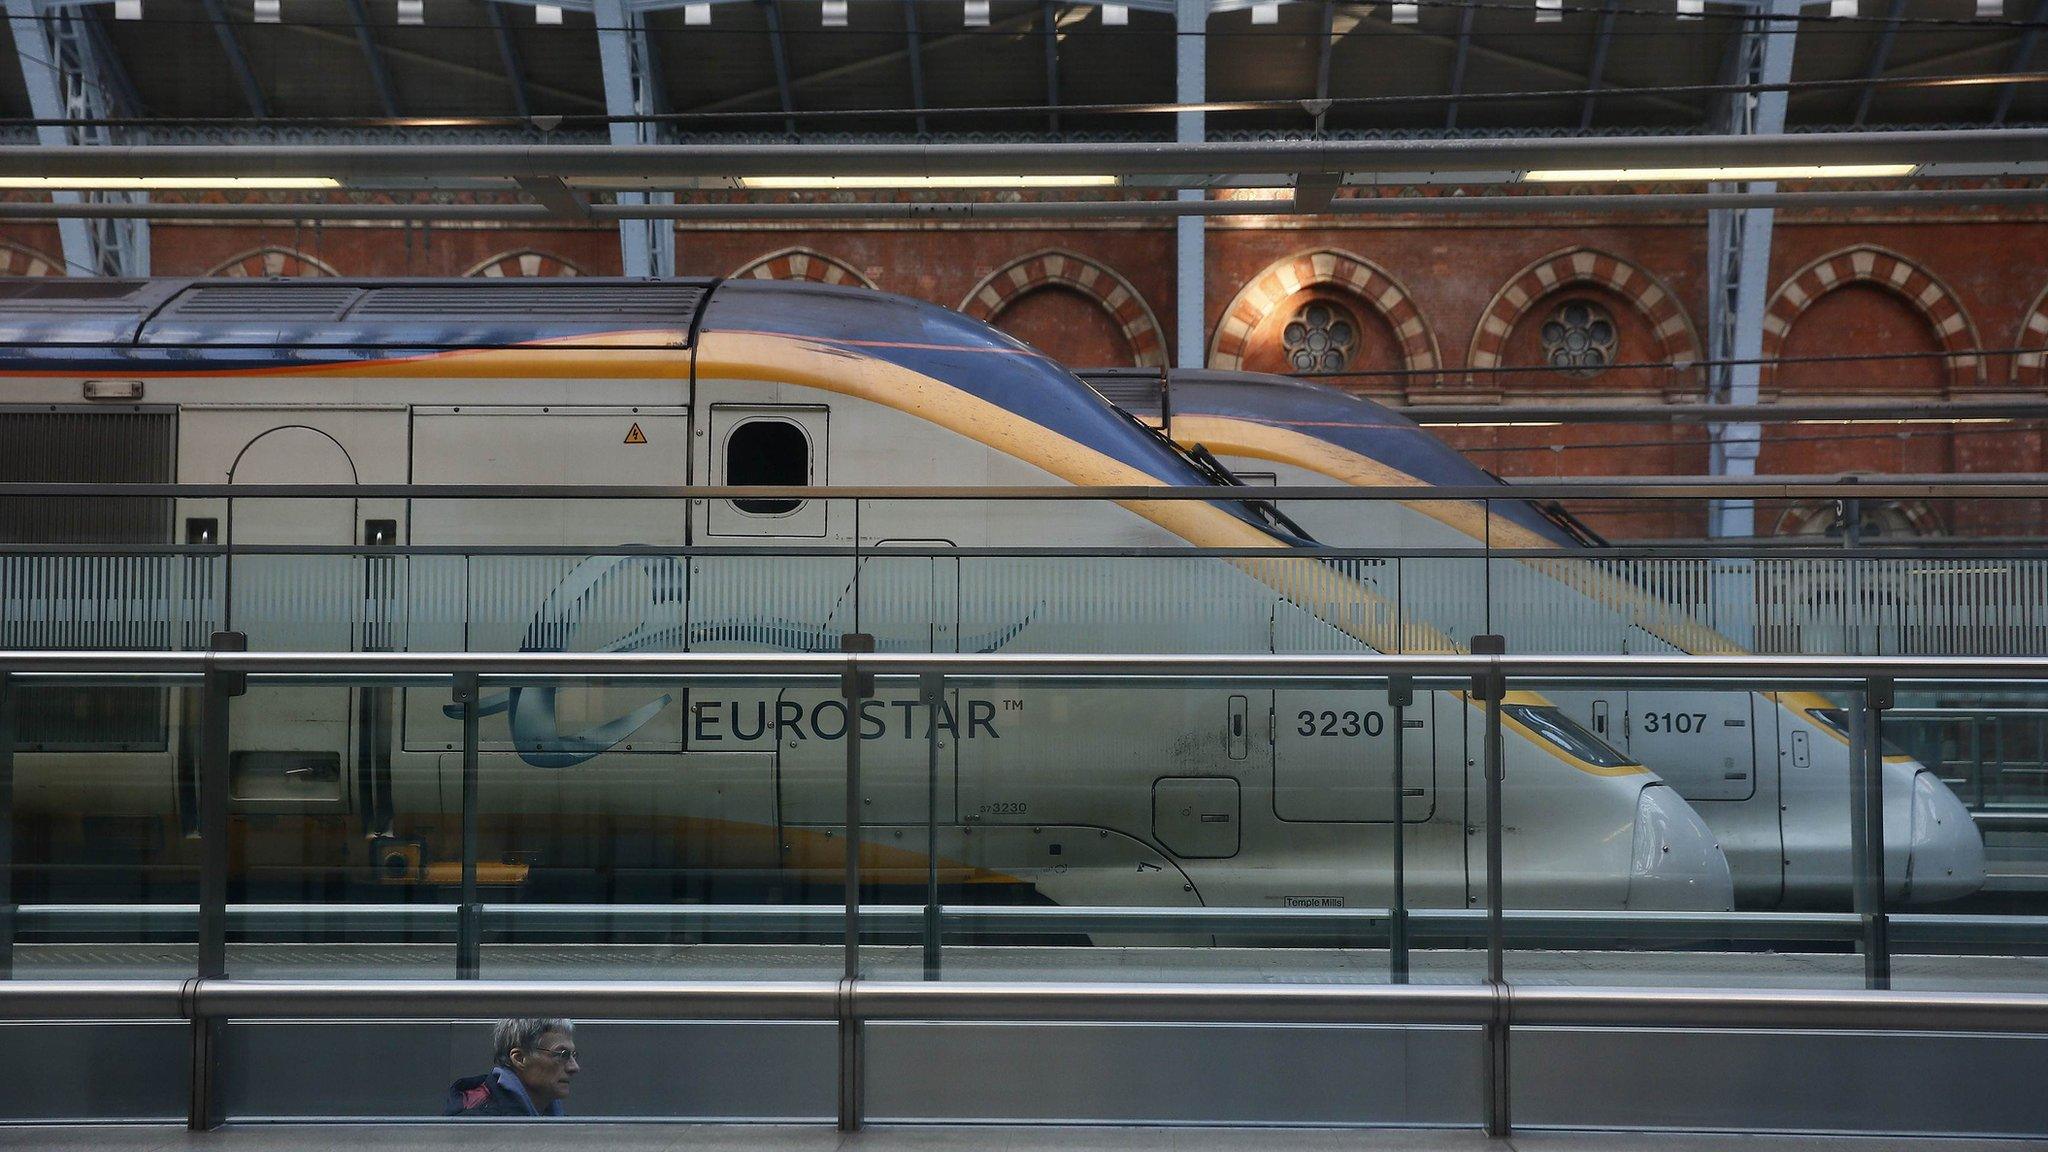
[[1333, 756], [291, 750], [756, 593], [1699, 742]]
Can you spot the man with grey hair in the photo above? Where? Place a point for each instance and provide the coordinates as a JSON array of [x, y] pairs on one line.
[[532, 1062]]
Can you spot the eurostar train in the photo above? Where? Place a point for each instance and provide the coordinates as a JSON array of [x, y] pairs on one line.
[[1768, 771], [1086, 794]]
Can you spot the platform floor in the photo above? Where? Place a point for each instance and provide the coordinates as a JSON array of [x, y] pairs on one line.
[[1703, 969], [667, 1138]]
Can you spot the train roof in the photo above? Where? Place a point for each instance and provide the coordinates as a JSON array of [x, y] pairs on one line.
[[1353, 423], [305, 313]]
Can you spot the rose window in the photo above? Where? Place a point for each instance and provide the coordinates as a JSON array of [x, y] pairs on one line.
[[1579, 338], [1320, 338]]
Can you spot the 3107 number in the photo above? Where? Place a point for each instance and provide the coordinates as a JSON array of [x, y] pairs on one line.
[[1339, 723], [1686, 722]]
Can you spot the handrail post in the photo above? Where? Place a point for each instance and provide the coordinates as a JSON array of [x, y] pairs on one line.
[[468, 922], [1866, 829], [1400, 694], [216, 693], [7, 697], [855, 687], [1489, 688], [932, 687]]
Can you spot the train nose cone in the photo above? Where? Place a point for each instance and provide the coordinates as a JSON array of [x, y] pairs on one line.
[[1676, 864], [1947, 853]]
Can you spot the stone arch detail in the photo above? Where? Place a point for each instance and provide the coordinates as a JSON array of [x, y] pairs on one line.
[[2030, 363], [1678, 342], [1373, 285], [273, 260], [1058, 269], [22, 260], [803, 264], [524, 262], [1868, 264]]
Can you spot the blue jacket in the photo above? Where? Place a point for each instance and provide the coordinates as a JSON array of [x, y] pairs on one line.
[[495, 1093]]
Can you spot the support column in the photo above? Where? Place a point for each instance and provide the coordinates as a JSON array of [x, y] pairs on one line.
[[1739, 251], [1190, 250], [632, 87], [63, 79]]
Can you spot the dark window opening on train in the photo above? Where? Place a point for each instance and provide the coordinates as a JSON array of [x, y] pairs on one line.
[[768, 452], [1554, 726], [1838, 719]]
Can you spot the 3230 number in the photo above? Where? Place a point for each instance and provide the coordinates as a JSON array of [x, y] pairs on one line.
[[1339, 723]]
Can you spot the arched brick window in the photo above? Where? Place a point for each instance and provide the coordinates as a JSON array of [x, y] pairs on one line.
[[273, 260], [21, 260], [1259, 327], [1515, 330], [1874, 270], [1090, 295], [524, 262], [803, 264], [2030, 365]]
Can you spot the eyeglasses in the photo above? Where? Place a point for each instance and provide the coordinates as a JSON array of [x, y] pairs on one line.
[[564, 1055]]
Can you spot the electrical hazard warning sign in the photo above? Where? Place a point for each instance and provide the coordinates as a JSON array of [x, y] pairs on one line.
[[635, 436]]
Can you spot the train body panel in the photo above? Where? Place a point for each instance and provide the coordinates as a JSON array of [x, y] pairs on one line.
[[1071, 793], [1766, 771]]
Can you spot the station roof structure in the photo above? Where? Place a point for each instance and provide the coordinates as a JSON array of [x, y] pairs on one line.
[[777, 70]]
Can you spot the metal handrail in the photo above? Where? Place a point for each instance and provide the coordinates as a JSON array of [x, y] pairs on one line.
[[2024, 485], [1122, 1002], [1748, 669]]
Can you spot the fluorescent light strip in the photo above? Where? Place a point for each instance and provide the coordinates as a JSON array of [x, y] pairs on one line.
[[798, 183], [148, 183], [1916, 420], [1752, 172]]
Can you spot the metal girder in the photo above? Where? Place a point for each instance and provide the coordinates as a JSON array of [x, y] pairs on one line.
[[238, 60], [60, 71], [632, 88], [778, 52], [125, 100], [1051, 35], [1514, 206], [1156, 165], [508, 50], [913, 53], [1739, 254], [744, 100], [1190, 241], [1879, 56], [1324, 50], [2021, 57], [387, 91], [1602, 40], [1458, 61]]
